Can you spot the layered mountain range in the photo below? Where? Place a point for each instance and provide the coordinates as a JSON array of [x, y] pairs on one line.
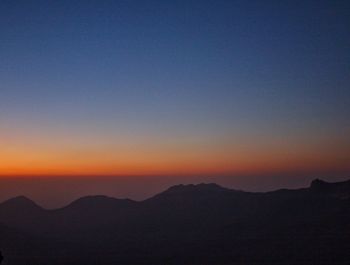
[[186, 224]]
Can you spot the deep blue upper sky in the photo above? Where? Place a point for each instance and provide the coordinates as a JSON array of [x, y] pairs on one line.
[[222, 68]]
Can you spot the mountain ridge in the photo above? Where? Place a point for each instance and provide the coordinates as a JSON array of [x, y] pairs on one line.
[[185, 224], [315, 185]]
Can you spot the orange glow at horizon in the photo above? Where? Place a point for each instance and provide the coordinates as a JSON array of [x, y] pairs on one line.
[[30, 151], [79, 157]]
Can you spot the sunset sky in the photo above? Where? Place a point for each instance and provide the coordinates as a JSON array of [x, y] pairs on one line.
[[174, 88]]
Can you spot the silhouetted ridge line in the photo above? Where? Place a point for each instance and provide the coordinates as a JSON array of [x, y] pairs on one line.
[[185, 224], [20, 201], [94, 200], [196, 187], [335, 189], [318, 183]]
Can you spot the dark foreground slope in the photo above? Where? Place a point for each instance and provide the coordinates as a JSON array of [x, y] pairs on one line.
[[186, 224]]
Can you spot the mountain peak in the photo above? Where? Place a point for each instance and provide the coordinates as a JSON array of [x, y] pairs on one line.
[[337, 189], [96, 201], [192, 192], [20, 199], [318, 184], [196, 187], [22, 202]]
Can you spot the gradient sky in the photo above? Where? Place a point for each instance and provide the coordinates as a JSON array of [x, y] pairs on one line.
[[183, 88]]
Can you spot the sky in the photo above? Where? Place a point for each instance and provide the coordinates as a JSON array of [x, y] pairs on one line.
[[188, 89]]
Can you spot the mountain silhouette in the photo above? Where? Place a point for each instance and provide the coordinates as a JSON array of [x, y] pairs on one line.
[[338, 189], [21, 203], [185, 224]]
